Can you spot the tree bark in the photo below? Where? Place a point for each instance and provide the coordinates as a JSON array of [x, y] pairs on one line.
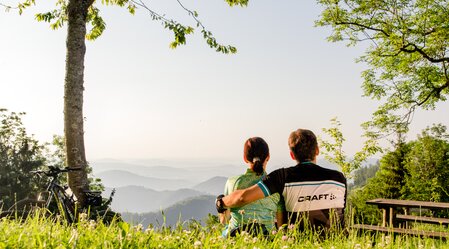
[[73, 96]]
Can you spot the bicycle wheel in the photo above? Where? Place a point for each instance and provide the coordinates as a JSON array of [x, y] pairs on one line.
[[106, 216], [22, 209], [27, 205], [65, 206]]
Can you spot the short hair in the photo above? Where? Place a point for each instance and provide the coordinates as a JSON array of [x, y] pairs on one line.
[[303, 144]]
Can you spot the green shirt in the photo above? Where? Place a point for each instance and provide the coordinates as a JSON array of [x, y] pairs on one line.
[[262, 211]]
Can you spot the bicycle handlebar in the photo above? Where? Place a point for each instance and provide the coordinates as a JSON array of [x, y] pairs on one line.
[[54, 171]]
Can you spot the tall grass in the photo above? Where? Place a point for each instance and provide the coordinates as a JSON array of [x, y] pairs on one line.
[[42, 232]]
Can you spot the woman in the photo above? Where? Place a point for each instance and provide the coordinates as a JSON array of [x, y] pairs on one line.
[[261, 215]]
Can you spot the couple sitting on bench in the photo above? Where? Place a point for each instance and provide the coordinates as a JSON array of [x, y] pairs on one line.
[[305, 194]]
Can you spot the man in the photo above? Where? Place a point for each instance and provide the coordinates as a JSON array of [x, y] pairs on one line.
[[313, 195]]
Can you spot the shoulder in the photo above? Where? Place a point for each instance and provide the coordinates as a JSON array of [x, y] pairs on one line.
[[333, 174], [233, 179]]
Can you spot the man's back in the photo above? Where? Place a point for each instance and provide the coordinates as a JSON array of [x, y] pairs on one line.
[[310, 193]]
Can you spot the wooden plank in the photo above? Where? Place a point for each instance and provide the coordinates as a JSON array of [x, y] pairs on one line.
[[425, 219], [430, 234], [408, 203]]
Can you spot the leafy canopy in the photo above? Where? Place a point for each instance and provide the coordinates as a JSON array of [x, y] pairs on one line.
[[58, 18], [334, 153], [407, 57], [416, 170], [20, 153]]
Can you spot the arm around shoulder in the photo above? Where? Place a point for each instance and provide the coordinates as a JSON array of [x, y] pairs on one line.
[[242, 197]]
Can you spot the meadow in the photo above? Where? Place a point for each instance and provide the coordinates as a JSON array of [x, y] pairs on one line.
[[42, 232]]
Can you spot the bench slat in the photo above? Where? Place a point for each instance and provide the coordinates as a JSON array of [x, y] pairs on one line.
[[430, 234], [422, 219]]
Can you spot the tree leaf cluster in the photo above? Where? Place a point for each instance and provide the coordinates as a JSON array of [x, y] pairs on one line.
[[416, 170], [334, 153], [58, 18], [407, 56], [20, 153], [242, 3]]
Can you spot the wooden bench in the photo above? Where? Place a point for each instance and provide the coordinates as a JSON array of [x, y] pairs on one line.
[[395, 230], [391, 216], [396, 216], [423, 219]]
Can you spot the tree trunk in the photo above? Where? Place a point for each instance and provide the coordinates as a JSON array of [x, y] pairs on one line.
[[73, 96]]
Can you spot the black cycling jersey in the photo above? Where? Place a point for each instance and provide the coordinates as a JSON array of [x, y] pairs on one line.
[[309, 191]]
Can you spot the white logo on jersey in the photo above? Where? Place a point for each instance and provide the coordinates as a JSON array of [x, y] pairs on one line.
[[316, 195]]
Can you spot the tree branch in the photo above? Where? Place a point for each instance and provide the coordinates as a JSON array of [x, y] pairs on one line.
[[364, 26], [424, 54]]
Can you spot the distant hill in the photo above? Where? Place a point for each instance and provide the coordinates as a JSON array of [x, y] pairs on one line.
[[121, 178], [149, 171], [213, 186], [138, 199], [194, 208], [195, 171]]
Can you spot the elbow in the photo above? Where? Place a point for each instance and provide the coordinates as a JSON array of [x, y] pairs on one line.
[[242, 199], [237, 199]]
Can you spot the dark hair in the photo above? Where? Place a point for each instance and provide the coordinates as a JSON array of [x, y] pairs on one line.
[[303, 144], [256, 152]]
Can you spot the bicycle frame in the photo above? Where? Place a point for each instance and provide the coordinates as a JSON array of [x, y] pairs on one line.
[[65, 203]]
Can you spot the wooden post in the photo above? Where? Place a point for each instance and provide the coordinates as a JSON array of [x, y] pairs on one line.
[[384, 217], [391, 217], [406, 212]]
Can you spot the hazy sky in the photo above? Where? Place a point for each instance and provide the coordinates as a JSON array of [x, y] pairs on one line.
[[144, 100]]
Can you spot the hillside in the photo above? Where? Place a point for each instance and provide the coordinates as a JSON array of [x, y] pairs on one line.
[[195, 171], [138, 199], [121, 178], [213, 186], [194, 208]]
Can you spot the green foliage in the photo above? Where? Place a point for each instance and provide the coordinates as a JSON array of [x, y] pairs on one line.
[[407, 59], [427, 165], [58, 18], [362, 175], [333, 151], [387, 183], [42, 232], [212, 221], [97, 22], [55, 156], [237, 2], [416, 170], [20, 153]]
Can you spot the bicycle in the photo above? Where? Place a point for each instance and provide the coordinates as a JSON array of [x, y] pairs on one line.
[[60, 198]]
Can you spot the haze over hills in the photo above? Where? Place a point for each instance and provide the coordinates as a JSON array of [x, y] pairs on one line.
[[194, 208], [140, 199], [213, 186], [121, 178], [137, 199], [194, 172], [139, 193]]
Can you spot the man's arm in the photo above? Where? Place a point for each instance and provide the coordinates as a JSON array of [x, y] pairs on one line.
[[242, 197]]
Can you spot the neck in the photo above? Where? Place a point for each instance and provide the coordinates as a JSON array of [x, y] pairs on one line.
[[251, 167], [309, 161]]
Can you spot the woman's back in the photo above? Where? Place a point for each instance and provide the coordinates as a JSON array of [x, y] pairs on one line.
[[262, 211]]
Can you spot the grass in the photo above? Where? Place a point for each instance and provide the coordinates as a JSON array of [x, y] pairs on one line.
[[42, 232]]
